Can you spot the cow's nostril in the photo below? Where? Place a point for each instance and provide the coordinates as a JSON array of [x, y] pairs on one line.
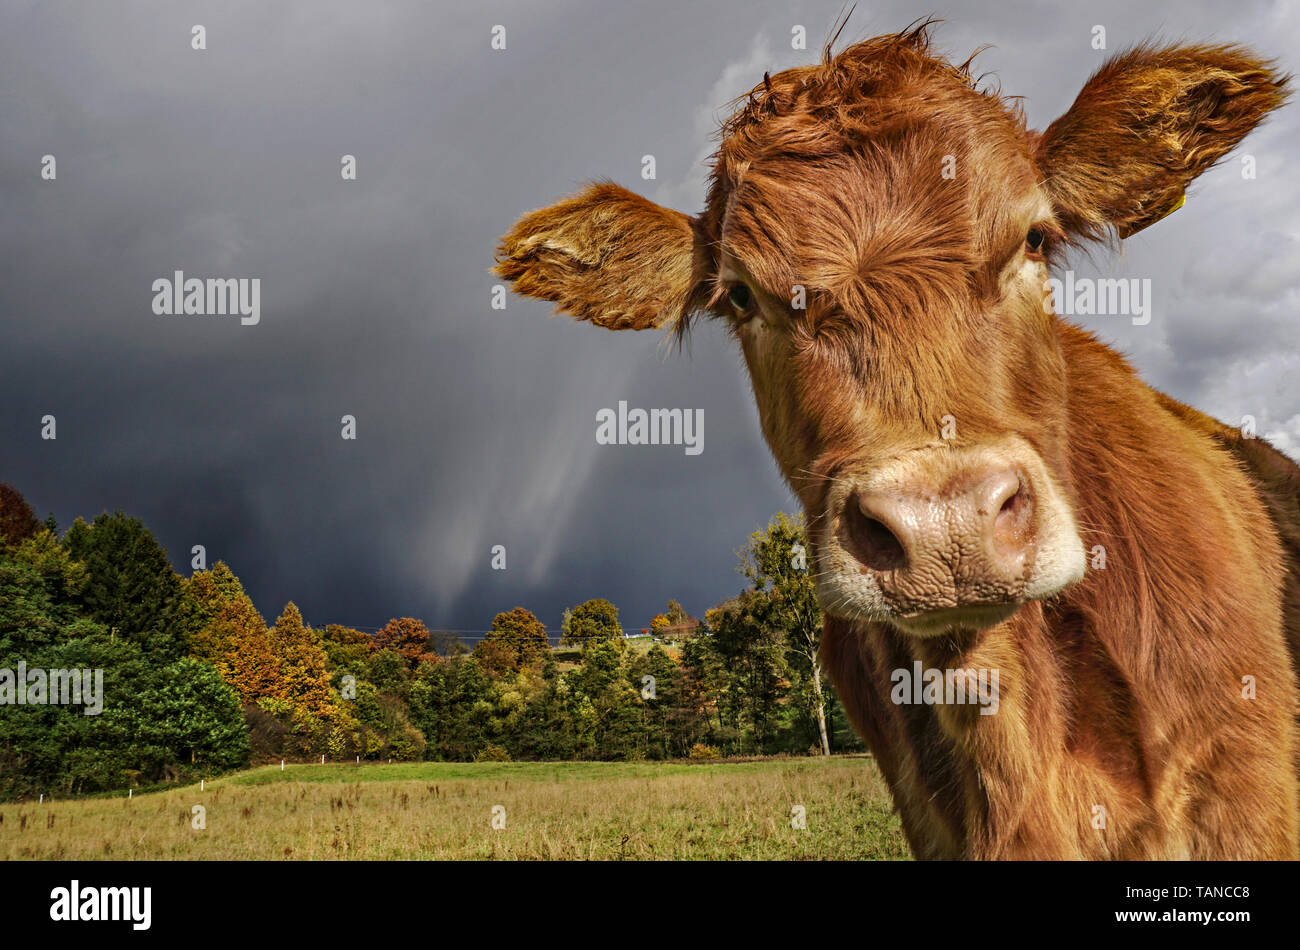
[[870, 541], [1013, 526]]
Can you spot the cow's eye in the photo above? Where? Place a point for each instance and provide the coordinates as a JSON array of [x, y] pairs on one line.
[[740, 299], [1035, 240]]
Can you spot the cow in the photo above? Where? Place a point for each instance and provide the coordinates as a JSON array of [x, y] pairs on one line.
[[987, 486]]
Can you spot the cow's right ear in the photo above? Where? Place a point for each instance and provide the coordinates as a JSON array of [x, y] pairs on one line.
[[608, 256], [1146, 124]]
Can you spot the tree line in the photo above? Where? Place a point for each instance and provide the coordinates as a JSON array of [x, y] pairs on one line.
[[195, 681]]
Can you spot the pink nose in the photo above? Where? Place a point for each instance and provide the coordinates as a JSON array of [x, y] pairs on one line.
[[969, 542]]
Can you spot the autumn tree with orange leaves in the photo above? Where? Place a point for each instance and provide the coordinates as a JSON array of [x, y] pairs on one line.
[[408, 638], [17, 521], [302, 663], [232, 635]]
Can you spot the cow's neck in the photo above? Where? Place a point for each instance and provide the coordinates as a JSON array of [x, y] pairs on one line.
[[959, 775]]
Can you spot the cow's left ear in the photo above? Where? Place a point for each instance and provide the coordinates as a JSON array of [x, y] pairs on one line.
[[607, 256], [1146, 124]]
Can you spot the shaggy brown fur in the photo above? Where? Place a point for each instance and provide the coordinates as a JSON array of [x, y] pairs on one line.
[[897, 197]]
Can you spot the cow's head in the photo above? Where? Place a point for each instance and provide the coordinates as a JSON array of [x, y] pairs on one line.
[[877, 238]]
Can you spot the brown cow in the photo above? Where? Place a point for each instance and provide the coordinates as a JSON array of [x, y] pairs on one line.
[[877, 238]]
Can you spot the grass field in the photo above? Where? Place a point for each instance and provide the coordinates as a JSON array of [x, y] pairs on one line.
[[431, 810]]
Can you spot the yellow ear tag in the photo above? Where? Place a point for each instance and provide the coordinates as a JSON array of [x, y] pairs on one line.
[[1182, 200]]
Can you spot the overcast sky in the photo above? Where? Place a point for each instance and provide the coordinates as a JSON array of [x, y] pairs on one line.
[[475, 427]]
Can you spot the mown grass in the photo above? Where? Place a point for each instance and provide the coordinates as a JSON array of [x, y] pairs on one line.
[[433, 810]]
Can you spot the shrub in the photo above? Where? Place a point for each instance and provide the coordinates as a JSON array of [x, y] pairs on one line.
[[492, 753]]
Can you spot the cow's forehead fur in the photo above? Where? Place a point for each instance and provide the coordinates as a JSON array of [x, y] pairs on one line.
[[831, 176]]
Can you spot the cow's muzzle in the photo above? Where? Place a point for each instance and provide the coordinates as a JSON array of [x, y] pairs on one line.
[[955, 540]]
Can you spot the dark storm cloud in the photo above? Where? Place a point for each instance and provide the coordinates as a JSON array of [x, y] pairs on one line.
[[475, 427]]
